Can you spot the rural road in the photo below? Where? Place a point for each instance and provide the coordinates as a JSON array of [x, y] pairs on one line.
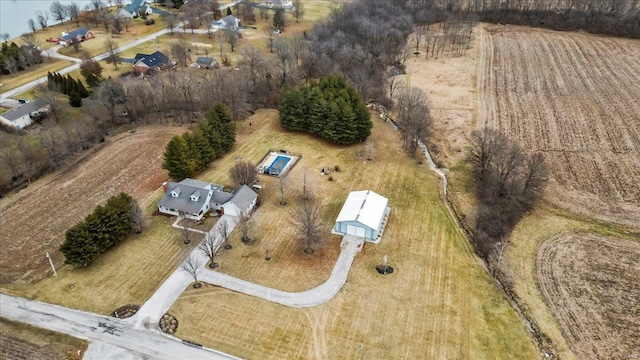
[[105, 330]]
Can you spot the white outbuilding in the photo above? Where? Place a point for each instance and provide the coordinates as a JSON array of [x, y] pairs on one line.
[[363, 214]]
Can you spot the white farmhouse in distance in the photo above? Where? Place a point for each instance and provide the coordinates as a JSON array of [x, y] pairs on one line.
[[23, 115]]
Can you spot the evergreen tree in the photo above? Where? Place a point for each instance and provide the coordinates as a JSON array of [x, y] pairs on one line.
[[74, 99], [93, 80], [176, 160], [221, 121], [278, 19], [229, 11], [205, 151], [78, 247], [82, 91]]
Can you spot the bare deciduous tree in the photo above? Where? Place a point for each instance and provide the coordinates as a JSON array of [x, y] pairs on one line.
[[73, 12], [246, 226], [180, 52], [32, 25], [413, 117], [111, 48], [307, 219], [58, 11], [191, 265], [185, 229], [210, 247], [42, 18], [369, 149], [244, 173], [254, 60], [10, 158], [136, 217], [298, 10], [170, 20], [224, 230]]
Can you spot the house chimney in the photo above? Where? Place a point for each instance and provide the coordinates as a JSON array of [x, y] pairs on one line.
[[165, 186]]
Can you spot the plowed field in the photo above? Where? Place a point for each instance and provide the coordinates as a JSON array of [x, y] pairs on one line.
[[591, 284], [35, 220], [575, 97]]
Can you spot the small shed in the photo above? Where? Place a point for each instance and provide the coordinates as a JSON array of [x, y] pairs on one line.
[[364, 214]]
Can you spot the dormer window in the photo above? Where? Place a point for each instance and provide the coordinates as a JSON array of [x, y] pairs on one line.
[[176, 192], [195, 196]]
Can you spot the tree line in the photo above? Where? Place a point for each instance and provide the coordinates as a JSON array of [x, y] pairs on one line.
[[187, 154], [68, 86], [107, 226], [508, 182], [609, 17], [14, 57], [329, 108]]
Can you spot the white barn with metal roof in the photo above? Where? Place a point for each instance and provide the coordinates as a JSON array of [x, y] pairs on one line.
[[364, 214]]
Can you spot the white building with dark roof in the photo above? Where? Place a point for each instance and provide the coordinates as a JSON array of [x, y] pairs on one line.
[[23, 115], [364, 214], [194, 198]]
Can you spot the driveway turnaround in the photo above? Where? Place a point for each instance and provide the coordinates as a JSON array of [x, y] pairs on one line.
[[350, 246], [141, 343]]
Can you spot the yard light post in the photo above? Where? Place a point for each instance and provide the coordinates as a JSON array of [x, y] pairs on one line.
[[55, 274], [156, 40]]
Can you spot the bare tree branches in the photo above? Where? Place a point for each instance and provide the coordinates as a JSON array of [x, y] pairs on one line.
[[136, 216], [414, 118], [224, 230], [307, 220], [191, 265], [111, 48], [244, 173], [246, 226], [209, 247]]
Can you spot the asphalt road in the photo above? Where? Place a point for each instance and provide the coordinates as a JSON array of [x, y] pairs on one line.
[[142, 343]]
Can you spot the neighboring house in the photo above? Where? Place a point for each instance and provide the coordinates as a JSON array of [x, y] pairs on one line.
[[135, 9], [143, 63], [228, 22], [25, 114], [206, 63], [81, 34], [285, 4], [194, 198], [363, 214]]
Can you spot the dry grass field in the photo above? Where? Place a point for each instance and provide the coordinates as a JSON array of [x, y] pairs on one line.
[[10, 82], [591, 283], [130, 163], [452, 84], [438, 303], [23, 342], [573, 97]]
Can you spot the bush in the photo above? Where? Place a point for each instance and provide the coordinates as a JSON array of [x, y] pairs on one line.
[[150, 21]]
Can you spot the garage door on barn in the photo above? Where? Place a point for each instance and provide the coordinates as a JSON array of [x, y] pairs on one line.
[[364, 214]]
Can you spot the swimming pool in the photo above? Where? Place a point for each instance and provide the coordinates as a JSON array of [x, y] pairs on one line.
[[278, 165]]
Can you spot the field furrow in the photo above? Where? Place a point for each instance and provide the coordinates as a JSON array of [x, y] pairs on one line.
[[574, 97]]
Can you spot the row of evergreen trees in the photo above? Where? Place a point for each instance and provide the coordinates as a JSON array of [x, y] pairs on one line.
[[68, 86], [329, 108], [191, 152], [107, 226]]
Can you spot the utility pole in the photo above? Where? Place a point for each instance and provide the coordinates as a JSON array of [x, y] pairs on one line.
[[55, 274]]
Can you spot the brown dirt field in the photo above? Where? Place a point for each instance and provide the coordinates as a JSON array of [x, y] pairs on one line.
[[591, 283], [23, 342], [573, 97], [35, 219]]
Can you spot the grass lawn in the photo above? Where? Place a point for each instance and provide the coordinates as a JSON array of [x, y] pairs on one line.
[[22, 77], [19, 340], [438, 303], [127, 274]]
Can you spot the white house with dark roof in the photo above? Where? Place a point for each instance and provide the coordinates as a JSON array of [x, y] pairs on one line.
[[364, 214], [23, 115], [194, 198], [228, 22]]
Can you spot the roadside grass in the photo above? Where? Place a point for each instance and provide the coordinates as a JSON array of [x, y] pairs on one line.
[[438, 303], [20, 339], [10, 82]]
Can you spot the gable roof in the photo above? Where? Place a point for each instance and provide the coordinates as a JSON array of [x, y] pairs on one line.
[[220, 197], [151, 60], [243, 197], [183, 201], [205, 61], [24, 109], [75, 33], [135, 6], [365, 207]]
